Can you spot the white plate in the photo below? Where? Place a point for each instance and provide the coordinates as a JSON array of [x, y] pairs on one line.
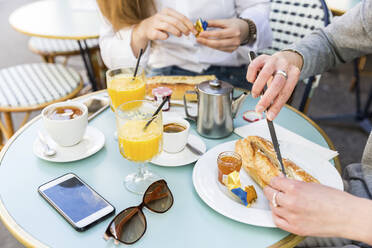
[[259, 214], [183, 157], [91, 143]]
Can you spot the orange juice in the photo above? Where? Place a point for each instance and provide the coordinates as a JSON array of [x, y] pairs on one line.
[[125, 89], [138, 145]]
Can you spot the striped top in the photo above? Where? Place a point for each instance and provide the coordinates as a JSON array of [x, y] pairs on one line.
[[45, 45], [24, 86], [291, 20]]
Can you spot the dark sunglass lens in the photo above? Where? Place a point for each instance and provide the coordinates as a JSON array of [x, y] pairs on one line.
[[158, 197], [129, 225]]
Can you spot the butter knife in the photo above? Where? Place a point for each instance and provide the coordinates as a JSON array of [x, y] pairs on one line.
[[193, 149], [276, 145], [274, 139]]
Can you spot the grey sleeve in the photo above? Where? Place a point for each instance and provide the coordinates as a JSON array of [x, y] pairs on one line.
[[348, 37], [358, 177]]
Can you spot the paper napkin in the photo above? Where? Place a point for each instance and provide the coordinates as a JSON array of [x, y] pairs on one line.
[[287, 138]]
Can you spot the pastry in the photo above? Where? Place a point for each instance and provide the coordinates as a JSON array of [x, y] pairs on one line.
[[178, 84], [259, 160]]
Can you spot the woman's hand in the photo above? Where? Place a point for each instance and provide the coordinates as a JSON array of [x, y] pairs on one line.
[[159, 26], [260, 72], [317, 210], [228, 37]]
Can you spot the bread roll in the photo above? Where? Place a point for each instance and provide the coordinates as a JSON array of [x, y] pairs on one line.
[[260, 162], [179, 84]]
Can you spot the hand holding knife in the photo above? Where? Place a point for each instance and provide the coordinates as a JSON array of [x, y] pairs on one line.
[[252, 55]]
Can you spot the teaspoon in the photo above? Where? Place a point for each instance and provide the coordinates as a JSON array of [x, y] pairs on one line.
[[47, 150]]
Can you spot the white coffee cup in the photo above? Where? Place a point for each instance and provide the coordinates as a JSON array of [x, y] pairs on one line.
[[175, 142], [66, 132]]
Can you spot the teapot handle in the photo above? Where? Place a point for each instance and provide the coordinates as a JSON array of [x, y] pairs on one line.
[[188, 115]]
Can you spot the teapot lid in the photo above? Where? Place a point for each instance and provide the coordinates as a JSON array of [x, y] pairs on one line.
[[215, 87]]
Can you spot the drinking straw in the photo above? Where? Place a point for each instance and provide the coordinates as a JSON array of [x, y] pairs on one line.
[[138, 60]]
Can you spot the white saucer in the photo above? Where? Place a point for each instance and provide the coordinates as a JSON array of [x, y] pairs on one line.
[[184, 157], [92, 142]]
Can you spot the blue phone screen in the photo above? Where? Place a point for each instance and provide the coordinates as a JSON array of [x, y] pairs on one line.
[[75, 199]]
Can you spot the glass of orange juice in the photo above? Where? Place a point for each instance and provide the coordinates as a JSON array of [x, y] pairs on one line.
[[137, 143], [123, 87]]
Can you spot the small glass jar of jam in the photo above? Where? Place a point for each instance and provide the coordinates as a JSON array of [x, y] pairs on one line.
[[228, 162], [160, 93]]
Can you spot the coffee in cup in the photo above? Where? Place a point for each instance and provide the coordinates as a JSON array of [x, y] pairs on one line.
[[175, 134], [173, 128], [66, 122]]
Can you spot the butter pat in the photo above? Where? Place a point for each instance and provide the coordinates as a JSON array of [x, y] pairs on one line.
[[247, 195], [232, 180]]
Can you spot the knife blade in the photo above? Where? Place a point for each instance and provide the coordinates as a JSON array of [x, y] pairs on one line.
[[274, 139]]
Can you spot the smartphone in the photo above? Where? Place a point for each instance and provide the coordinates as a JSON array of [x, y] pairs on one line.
[[96, 105], [78, 203]]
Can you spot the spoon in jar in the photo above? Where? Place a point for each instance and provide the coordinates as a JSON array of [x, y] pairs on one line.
[[155, 113]]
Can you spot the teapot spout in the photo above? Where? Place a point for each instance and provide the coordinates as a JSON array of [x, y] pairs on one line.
[[237, 102]]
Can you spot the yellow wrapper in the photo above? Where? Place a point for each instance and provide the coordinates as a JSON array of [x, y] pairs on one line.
[[200, 26], [247, 195], [232, 180]]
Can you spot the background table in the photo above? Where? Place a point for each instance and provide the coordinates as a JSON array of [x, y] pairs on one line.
[[189, 223], [61, 19]]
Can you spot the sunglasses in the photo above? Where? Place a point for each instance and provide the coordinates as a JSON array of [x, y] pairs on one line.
[[130, 224]]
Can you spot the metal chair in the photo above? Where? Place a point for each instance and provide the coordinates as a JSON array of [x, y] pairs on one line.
[[49, 49], [292, 20], [29, 87]]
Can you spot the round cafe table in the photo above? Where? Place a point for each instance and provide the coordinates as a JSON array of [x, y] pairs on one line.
[[61, 19], [189, 223]]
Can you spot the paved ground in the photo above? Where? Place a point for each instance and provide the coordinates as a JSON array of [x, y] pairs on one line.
[[331, 97], [13, 51]]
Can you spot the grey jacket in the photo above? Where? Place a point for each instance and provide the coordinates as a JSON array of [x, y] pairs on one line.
[[348, 37]]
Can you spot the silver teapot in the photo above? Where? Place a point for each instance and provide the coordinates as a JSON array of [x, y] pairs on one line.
[[216, 108]]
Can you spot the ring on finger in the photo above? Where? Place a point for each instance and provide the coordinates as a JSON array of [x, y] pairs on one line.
[[273, 200], [281, 72]]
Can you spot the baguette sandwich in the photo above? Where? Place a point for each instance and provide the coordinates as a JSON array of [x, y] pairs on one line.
[[178, 84], [260, 162]]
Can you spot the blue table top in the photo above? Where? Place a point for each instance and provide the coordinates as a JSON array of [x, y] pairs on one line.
[[189, 223]]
